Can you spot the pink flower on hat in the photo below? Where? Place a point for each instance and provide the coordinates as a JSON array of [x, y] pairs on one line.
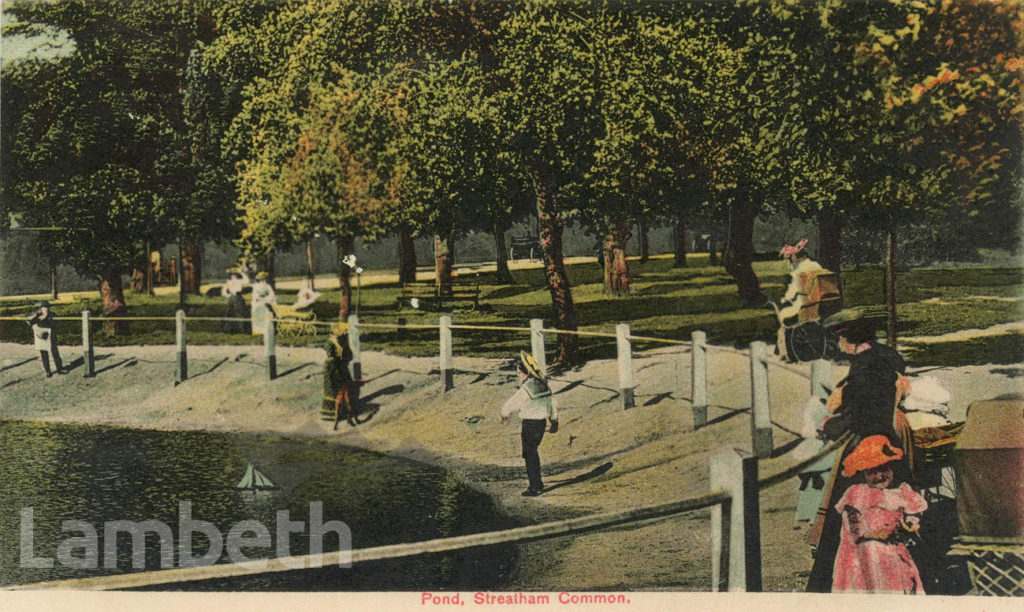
[[791, 250]]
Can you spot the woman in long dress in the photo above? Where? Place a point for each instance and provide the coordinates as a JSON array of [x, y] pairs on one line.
[[864, 404], [263, 301]]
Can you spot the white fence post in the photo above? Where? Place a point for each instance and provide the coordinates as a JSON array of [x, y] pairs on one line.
[[447, 369], [821, 378], [181, 371], [625, 351], [735, 525], [87, 352], [761, 417], [355, 346], [699, 379], [537, 344], [270, 347]]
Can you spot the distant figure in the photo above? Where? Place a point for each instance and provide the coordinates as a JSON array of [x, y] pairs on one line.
[[232, 290], [341, 392], [45, 336], [534, 404], [306, 296], [263, 302], [801, 268], [879, 516]]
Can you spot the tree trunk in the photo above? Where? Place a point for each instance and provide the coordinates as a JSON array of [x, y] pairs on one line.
[[830, 244], [191, 267], [713, 249], [444, 260], [502, 275], [112, 294], [55, 290], [406, 256], [680, 244], [616, 269], [309, 263], [550, 230], [271, 277], [739, 250], [890, 277], [346, 246], [645, 242]]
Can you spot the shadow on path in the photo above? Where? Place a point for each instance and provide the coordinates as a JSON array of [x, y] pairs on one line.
[[385, 391], [295, 369], [113, 365], [657, 399], [15, 365], [594, 473], [214, 367], [731, 412], [785, 448]]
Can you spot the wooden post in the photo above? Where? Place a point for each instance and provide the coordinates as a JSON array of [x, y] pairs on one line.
[[87, 353], [735, 525], [181, 372], [821, 378], [355, 346], [270, 347], [761, 418], [625, 350], [537, 344], [447, 370], [699, 379]]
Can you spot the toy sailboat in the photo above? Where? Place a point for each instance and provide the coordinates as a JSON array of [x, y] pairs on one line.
[[255, 480]]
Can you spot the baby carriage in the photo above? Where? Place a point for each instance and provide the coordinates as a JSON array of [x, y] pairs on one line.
[[801, 335]]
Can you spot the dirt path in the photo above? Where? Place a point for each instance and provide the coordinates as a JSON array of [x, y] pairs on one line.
[[603, 458]]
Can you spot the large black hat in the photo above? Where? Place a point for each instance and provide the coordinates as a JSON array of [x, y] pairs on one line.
[[857, 315]]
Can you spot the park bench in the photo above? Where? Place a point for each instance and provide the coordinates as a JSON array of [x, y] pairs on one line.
[[523, 244], [430, 293]]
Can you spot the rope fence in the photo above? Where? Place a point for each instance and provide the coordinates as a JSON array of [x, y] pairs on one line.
[[820, 375]]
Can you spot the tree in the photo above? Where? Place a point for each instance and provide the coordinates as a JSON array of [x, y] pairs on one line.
[[547, 101], [96, 143]]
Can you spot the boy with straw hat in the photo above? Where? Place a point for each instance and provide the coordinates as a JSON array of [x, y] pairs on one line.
[[535, 405]]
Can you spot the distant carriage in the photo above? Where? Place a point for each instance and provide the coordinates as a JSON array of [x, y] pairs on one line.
[[294, 322]]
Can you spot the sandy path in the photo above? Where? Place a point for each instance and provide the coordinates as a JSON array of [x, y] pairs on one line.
[[645, 455]]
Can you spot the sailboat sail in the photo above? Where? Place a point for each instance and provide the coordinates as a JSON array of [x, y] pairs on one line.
[[246, 481], [261, 481], [253, 479]]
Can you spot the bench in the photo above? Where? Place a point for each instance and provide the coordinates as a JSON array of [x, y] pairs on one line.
[[523, 244], [429, 292]]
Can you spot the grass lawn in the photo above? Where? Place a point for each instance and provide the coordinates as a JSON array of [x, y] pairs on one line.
[[666, 302]]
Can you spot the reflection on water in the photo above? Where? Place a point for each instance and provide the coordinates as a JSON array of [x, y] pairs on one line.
[[97, 474]]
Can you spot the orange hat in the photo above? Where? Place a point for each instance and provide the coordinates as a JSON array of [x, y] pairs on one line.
[[872, 452]]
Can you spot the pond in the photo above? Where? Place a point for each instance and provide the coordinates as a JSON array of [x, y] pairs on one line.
[[99, 474]]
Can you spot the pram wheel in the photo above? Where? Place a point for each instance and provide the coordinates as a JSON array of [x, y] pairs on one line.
[[810, 341]]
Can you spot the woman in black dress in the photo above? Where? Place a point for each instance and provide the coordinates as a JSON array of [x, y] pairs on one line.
[[863, 404]]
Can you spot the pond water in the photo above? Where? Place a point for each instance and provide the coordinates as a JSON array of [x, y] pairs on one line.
[[99, 474]]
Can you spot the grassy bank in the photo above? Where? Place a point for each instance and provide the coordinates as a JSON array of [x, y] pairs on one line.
[[666, 302]]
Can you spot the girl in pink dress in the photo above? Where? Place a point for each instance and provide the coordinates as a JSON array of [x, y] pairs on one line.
[[871, 556]]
